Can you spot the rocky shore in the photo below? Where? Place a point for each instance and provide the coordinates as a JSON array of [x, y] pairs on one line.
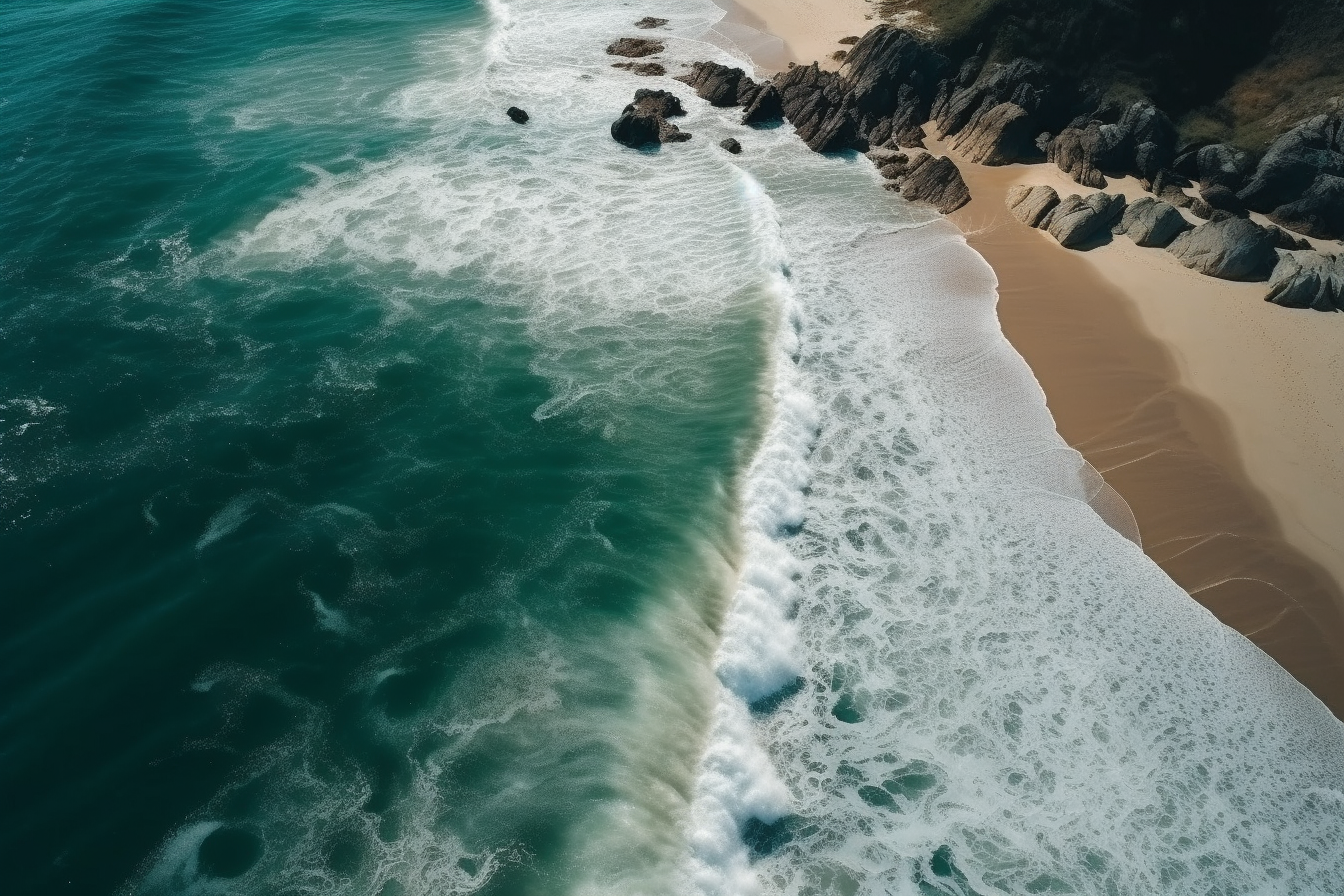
[[1205, 198]]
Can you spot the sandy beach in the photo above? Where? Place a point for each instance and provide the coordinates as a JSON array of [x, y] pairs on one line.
[[1212, 412]]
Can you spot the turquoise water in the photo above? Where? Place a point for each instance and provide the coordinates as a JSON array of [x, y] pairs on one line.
[[400, 501]]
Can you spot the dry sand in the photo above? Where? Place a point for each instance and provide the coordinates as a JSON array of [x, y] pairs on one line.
[[1214, 414]]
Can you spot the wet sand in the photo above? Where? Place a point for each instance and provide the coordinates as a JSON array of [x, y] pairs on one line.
[[1118, 395]]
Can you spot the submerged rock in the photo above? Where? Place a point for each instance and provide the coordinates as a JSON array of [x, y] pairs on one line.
[[731, 145], [650, 22], [1231, 249], [936, 181], [1030, 205], [648, 69], [1308, 280], [1076, 221], [644, 122], [518, 115], [635, 47], [1151, 223]]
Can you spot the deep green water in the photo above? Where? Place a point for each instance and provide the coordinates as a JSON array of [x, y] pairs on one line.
[[291, 558]]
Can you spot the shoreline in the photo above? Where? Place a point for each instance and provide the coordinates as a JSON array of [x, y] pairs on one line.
[[1194, 410]]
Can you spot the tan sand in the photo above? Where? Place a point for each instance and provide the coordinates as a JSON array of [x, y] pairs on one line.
[[1216, 415]]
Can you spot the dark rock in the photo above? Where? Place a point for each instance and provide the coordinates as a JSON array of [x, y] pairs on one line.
[[731, 145], [819, 106], [1294, 161], [848, 41], [766, 106], [1232, 249], [720, 85], [644, 122], [1308, 280], [1222, 199], [1021, 82], [1031, 205], [635, 47], [1167, 178], [1286, 241], [518, 115], [1076, 151], [1142, 142], [1003, 135], [1151, 223], [936, 181], [650, 22], [895, 169], [1221, 165], [1076, 221], [649, 69], [1319, 212]]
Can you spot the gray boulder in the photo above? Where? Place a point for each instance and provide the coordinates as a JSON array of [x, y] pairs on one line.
[[1231, 249], [1151, 223], [1308, 280], [1294, 161], [1077, 152], [936, 181], [1077, 221], [1319, 212], [1224, 166], [1142, 142], [1030, 205], [1221, 198], [1003, 135]]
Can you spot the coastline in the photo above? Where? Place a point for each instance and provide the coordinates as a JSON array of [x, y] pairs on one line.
[[1196, 411]]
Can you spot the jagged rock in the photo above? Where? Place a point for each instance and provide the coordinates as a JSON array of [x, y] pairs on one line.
[[935, 180], [1142, 142], [517, 115], [1232, 249], [648, 69], [1030, 205], [720, 85], [1294, 161], [1014, 82], [1076, 221], [818, 105], [731, 145], [1286, 241], [766, 106], [892, 73], [1308, 280], [1003, 135], [650, 22], [896, 167], [1076, 150], [644, 121], [1167, 178], [635, 47], [1222, 199], [1151, 223], [1319, 212]]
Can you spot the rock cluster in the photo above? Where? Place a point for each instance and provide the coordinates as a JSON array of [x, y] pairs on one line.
[[644, 122], [650, 22], [729, 87], [650, 69], [1030, 205], [635, 47], [1308, 280], [932, 180]]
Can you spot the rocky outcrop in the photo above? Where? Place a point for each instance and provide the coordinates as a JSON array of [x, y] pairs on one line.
[[1298, 182], [731, 145], [818, 105], [648, 69], [518, 116], [1021, 82], [644, 122], [1151, 223], [892, 77], [1030, 205], [1232, 249], [935, 181], [635, 47], [650, 22], [726, 87], [1003, 135], [1077, 221], [1308, 280], [1142, 142], [1077, 151], [1220, 165], [766, 106], [1223, 199]]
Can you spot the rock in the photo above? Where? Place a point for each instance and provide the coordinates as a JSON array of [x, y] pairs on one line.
[[935, 180], [1151, 223], [848, 41], [650, 22], [818, 105], [518, 115], [1286, 241], [731, 145], [1232, 249], [649, 69], [1015, 82], [1319, 212], [1167, 178], [1308, 280], [884, 61], [720, 85], [1076, 221], [1076, 151], [1294, 161], [1220, 165], [1223, 199], [896, 168], [635, 47], [1003, 135], [1142, 142], [644, 122], [767, 106], [1030, 205]]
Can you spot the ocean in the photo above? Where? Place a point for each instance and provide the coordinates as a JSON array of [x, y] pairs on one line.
[[401, 501]]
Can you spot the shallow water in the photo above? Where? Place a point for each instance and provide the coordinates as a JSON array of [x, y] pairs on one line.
[[401, 501]]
